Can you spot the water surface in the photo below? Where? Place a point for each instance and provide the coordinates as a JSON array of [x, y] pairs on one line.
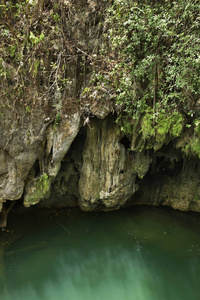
[[137, 253]]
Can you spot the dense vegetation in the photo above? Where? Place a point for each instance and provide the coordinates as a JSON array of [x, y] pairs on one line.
[[152, 67], [40, 52]]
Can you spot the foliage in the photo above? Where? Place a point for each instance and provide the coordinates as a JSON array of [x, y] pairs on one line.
[[35, 52], [165, 124], [193, 147], [152, 64]]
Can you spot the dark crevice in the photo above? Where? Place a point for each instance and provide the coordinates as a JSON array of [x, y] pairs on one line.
[[196, 166], [126, 142], [74, 155], [167, 160], [36, 168], [64, 190], [50, 156], [7, 206], [166, 166]]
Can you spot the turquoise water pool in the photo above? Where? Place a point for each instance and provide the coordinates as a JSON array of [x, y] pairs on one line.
[[136, 253]]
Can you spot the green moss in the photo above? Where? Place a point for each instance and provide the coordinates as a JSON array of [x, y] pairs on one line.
[[196, 198], [194, 146], [162, 125], [191, 145], [147, 127], [42, 187], [177, 122], [43, 184]]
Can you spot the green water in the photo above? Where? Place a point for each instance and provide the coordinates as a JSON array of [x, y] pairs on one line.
[[136, 254]]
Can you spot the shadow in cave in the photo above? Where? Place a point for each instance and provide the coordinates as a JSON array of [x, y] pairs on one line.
[[126, 142], [166, 166], [65, 186]]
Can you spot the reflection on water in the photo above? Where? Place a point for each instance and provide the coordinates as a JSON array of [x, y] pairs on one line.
[[131, 254]]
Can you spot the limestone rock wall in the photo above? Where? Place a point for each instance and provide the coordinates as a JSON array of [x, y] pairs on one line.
[[31, 152], [92, 165], [107, 178], [173, 181], [61, 146], [57, 142]]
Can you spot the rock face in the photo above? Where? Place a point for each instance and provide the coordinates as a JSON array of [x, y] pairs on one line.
[[21, 144], [62, 146], [57, 142], [172, 180], [109, 170], [25, 163], [93, 166]]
